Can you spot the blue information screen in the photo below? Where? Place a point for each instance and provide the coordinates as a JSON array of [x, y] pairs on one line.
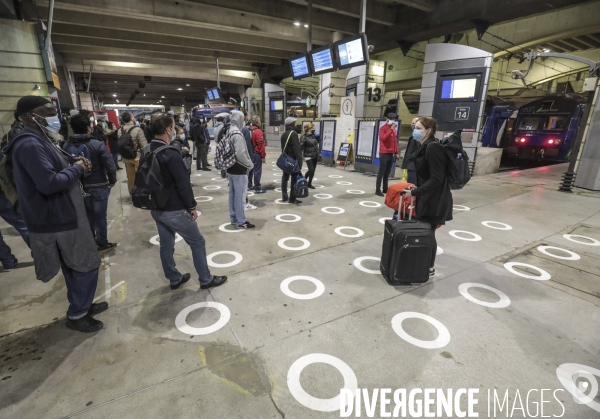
[[322, 60], [210, 95], [300, 67], [459, 89], [215, 93], [351, 52]]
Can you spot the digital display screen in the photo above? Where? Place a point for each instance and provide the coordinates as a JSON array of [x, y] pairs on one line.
[[215, 93], [277, 105], [210, 95], [300, 67], [459, 89], [322, 60], [351, 52]]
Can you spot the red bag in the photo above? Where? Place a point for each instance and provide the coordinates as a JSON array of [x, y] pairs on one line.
[[392, 199]]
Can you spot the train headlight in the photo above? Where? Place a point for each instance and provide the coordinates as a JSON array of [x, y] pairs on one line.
[[522, 140]]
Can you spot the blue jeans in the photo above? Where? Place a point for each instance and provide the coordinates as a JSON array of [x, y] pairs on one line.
[[255, 173], [115, 157], [95, 207], [238, 185], [15, 219], [81, 288], [180, 222]]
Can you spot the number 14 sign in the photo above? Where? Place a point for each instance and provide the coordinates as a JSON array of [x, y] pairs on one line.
[[462, 114]]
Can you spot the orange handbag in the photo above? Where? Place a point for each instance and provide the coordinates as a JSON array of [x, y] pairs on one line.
[[392, 199]]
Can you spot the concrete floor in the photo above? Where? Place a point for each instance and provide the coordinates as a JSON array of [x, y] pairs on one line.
[[150, 362]]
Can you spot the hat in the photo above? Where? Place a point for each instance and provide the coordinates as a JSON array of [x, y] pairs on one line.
[[290, 120], [29, 103], [391, 115]]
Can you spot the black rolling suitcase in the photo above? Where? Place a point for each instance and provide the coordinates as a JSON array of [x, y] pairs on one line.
[[406, 252]]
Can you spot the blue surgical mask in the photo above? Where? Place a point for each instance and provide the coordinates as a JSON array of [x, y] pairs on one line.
[[173, 137], [182, 137], [52, 121], [417, 134]]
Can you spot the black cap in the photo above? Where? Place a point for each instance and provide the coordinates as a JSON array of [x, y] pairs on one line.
[[391, 115], [29, 103]]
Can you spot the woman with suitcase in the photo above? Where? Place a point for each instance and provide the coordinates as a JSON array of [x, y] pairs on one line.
[[434, 199]]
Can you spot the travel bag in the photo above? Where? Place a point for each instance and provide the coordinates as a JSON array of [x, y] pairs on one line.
[[406, 252]]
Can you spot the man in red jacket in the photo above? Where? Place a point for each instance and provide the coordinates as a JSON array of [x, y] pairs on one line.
[[258, 155], [388, 150]]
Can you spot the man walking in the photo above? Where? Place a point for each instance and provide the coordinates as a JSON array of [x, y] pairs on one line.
[[290, 144], [258, 155], [136, 142], [388, 150]]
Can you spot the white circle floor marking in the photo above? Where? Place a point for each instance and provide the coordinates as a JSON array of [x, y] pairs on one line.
[[569, 373], [358, 264], [370, 204], [156, 241], [314, 403], [285, 287], [280, 218], [235, 230], [439, 251], [305, 245], [505, 227], [359, 232], [544, 276], [277, 189], [237, 259], [280, 202], [329, 210], [207, 198], [323, 196], [336, 176], [218, 179], [277, 174], [344, 183], [355, 191], [464, 290], [250, 194], [382, 219], [277, 181], [318, 186], [183, 327], [455, 234], [197, 175], [443, 334], [211, 187], [570, 237], [573, 255], [460, 208]]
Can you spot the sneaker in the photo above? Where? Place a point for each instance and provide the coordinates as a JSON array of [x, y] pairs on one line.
[[246, 225], [378, 193], [432, 273], [107, 247], [12, 268], [311, 187], [119, 168], [185, 278], [216, 282], [250, 206], [86, 324], [97, 308], [297, 202], [260, 191]]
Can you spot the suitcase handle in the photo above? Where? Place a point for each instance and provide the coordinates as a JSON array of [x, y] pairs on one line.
[[412, 204]]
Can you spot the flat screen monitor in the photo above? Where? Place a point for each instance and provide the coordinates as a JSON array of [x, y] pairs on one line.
[[215, 93], [351, 52], [322, 60], [459, 88], [300, 67], [210, 95], [277, 105]]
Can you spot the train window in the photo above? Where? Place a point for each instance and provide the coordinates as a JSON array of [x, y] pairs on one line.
[[544, 123], [532, 123], [557, 123]]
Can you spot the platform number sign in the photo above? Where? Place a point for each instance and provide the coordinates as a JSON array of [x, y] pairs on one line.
[[374, 95], [462, 113]]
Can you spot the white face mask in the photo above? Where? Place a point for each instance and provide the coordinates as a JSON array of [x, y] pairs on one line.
[[390, 122]]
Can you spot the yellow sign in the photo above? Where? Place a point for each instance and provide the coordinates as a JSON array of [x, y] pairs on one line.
[[55, 80]]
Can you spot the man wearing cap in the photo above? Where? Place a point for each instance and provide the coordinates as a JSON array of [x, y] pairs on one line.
[[290, 144], [49, 196], [388, 150]]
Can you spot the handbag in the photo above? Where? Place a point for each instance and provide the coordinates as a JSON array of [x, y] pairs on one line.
[[287, 163]]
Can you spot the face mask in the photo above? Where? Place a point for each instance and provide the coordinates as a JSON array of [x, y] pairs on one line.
[[173, 137], [182, 137], [417, 134], [137, 123], [53, 123], [91, 119], [390, 122]]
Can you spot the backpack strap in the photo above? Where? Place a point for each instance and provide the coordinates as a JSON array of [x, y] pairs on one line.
[[131, 129], [288, 139]]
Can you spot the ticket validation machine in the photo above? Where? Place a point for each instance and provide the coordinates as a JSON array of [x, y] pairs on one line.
[[276, 108]]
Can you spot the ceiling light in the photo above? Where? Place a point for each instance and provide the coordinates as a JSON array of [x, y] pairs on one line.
[[179, 88], [144, 94], [162, 97], [115, 81], [117, 100], [160, 100], [297, 23], [187, 85], [305, 25], [114, 95], [546, 50]]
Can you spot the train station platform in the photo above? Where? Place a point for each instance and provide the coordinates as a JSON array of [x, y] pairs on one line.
[[514, 306]]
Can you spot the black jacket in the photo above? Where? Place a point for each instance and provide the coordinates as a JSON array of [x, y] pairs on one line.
[[434, 199], [175, 177], [293, 148], [99, 133], [198, 134], [310, 146], [113, 142], [103, 171], [408, 162]]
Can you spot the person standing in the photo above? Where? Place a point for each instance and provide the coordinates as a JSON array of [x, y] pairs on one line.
[[137, 144], [290, 144], [49, 196], [310, 151], [179, 214], [434, 198], [408, 162], [388, 150], [258, 155], [218, 127], [199, 132], [113, 144]]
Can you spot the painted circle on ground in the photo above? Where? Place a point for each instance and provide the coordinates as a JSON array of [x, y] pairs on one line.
[[211, 187], [251, 193], [383, 219], [455, 234], [544, 276], [237, 259], [276, 168], [344, 183], [503, 226], [277, 174], [285, 287], [280, 202], [218, 179], [355, 191], [439, 251], [305, 243], [460, 208], [443, 334], [277, 189], [183, 327], [235, 230], [280, 218], [464, 290], [205, 198], [197, 175], [358, 264], [370, 204], [277, 181], [318, 186], [573, 255], [333, 210], [314, 403], [570, 237], [323, 196], [359, 232], [156, 241], [336, 176], [569, 373]]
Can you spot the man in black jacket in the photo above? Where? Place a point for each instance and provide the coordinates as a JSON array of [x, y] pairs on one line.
[[290, 144], [179, 214], [198, 134], [98, 183]]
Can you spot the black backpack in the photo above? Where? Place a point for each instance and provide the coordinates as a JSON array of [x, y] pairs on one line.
[[458, 172], [149, 191], [301, 187], [125, 144], [223, 132]]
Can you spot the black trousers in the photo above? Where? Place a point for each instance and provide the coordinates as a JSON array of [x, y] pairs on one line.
[[434, 249], [201, 156], [385, 168], [310, 174], [284, 185]]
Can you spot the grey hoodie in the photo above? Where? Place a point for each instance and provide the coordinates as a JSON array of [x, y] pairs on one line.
[[239, 144]]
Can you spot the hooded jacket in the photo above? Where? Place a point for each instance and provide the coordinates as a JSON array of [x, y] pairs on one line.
[[243, 163], [103, 171]]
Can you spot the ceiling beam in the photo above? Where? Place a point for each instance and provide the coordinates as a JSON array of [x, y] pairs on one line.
[[588, 41], [424, 5], [381, 13], [555, 47], [576, 45]]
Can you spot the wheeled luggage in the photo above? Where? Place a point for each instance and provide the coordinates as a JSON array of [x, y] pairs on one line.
[[406, 252]]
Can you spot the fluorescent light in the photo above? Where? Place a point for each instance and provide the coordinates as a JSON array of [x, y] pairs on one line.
[[179, 88], [115, 81], [305, 25], [117, 100], [297, 23], [114, 95], [162, 97], [144, 94], [546, 50], [187, 85]]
